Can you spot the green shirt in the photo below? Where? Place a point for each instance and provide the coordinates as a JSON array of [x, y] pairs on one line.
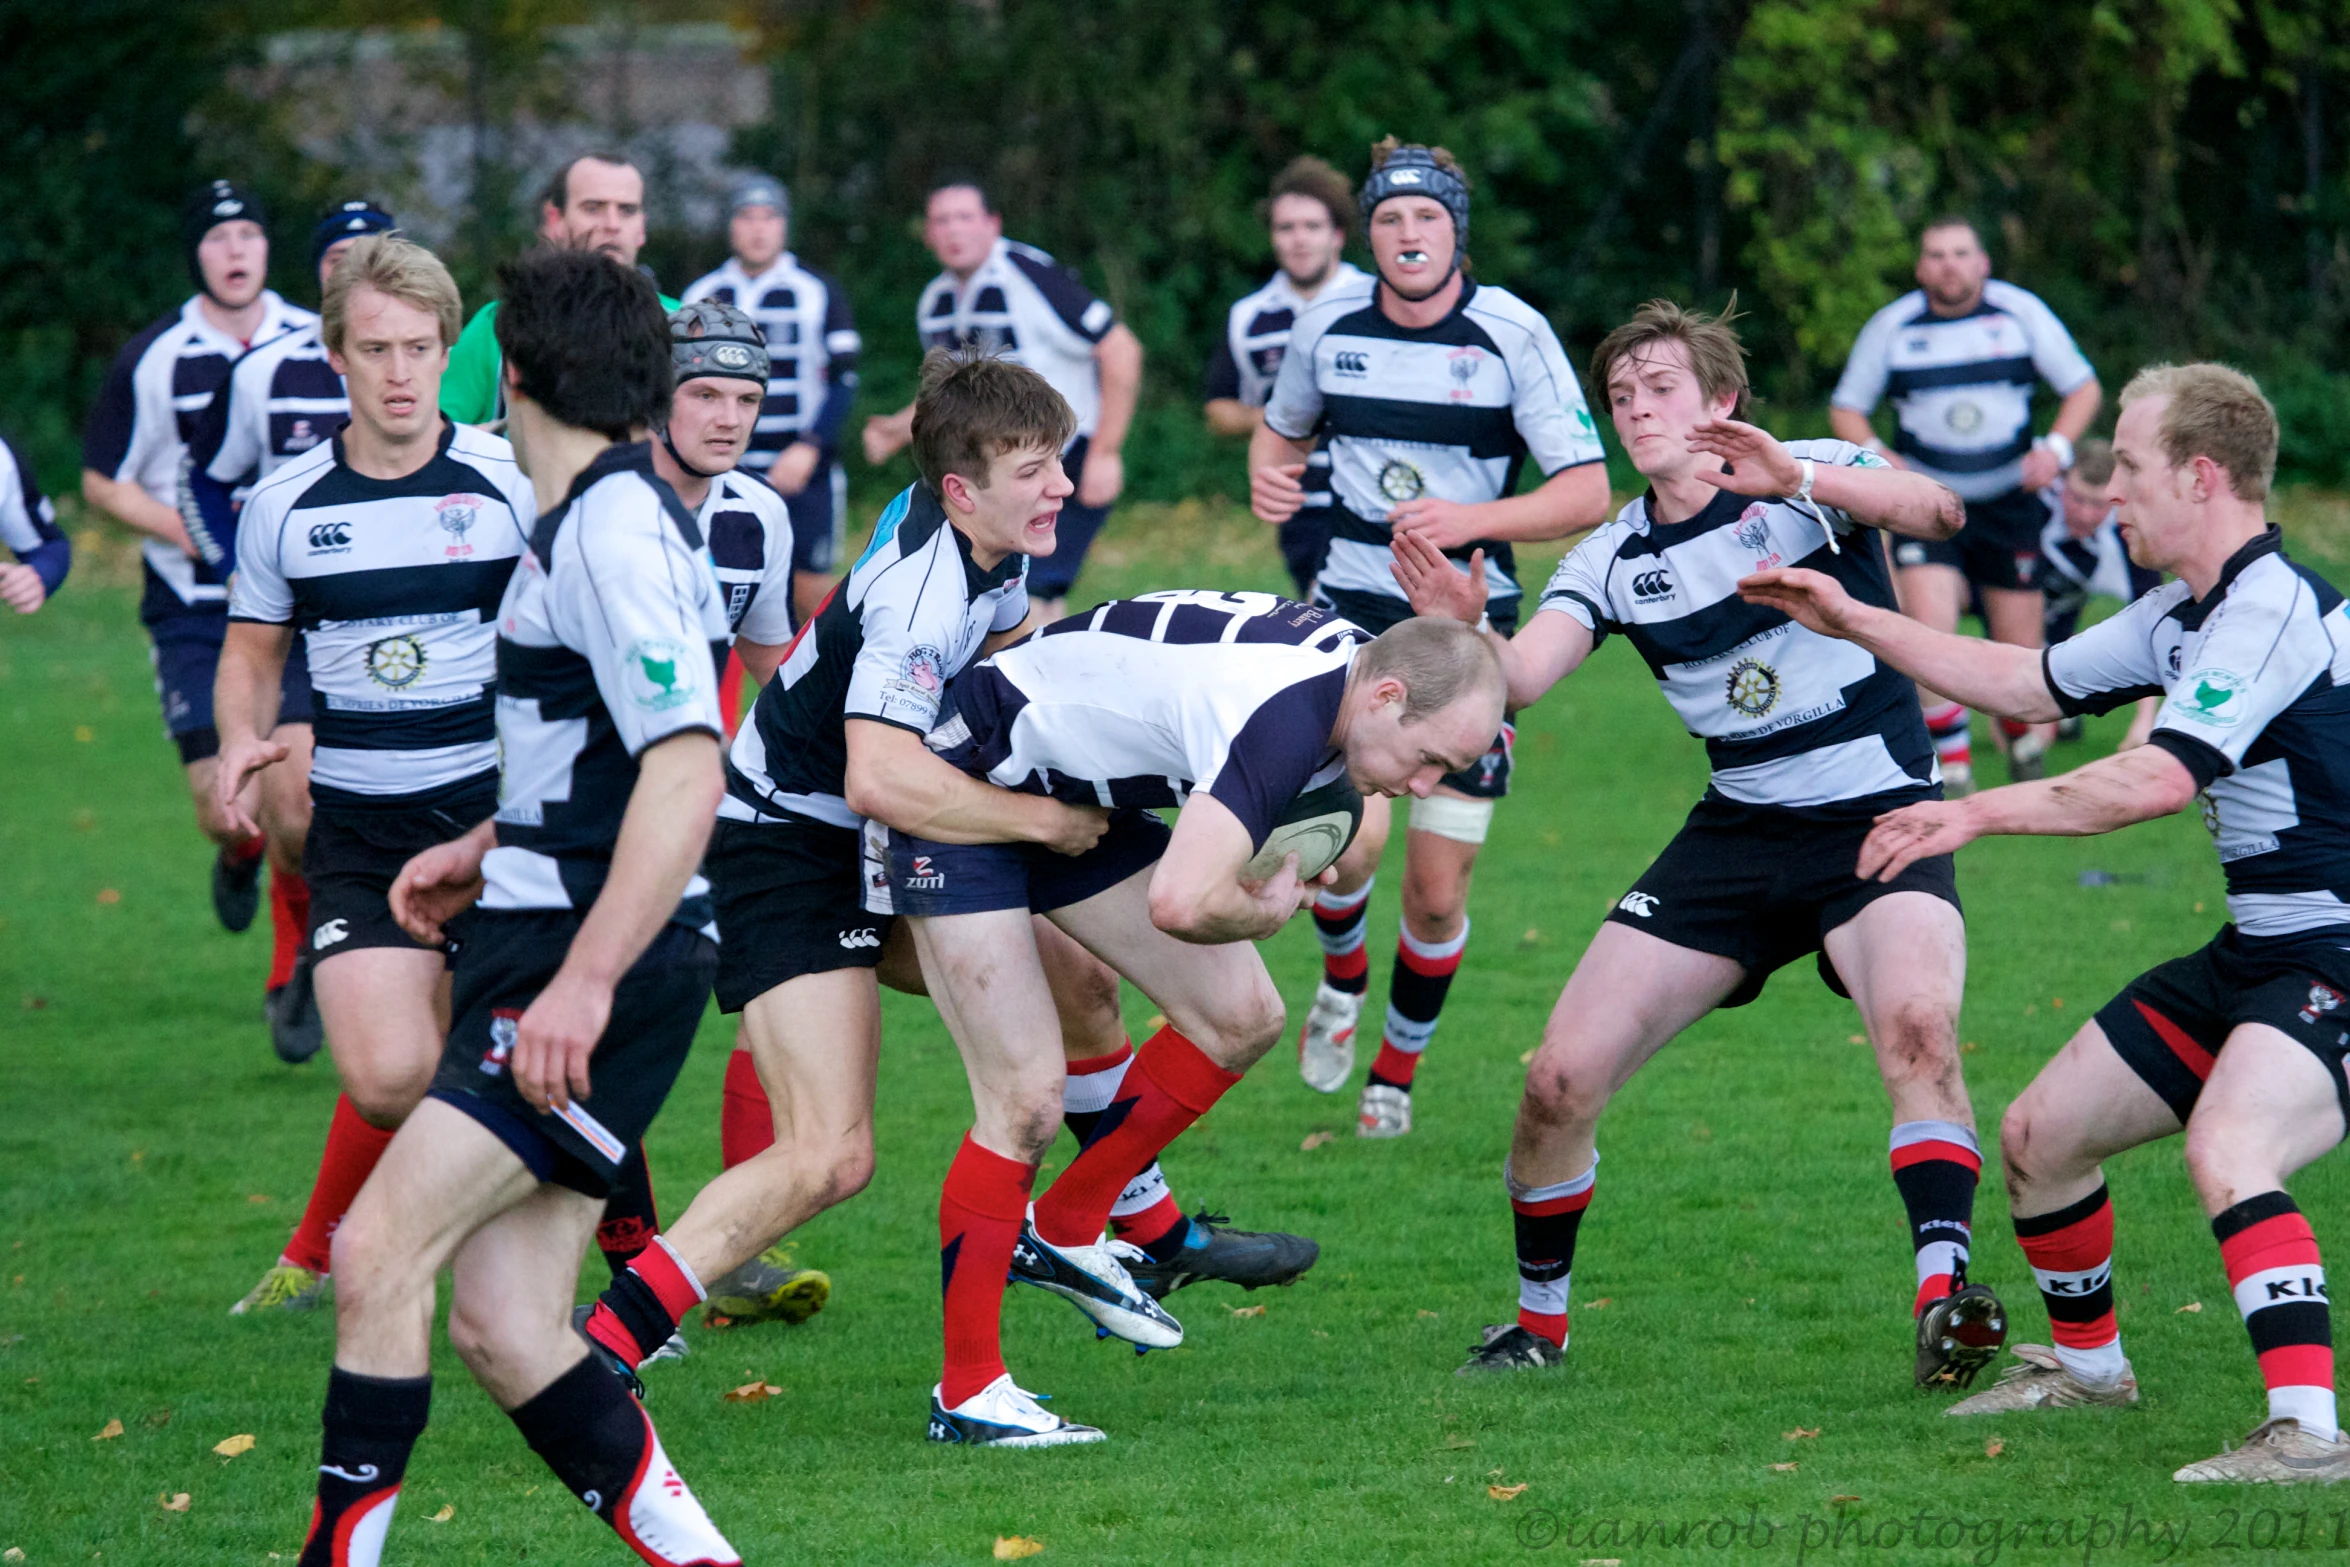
[[470, 392]]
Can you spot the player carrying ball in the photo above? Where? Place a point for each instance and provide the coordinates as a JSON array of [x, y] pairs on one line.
[[1809, 742]]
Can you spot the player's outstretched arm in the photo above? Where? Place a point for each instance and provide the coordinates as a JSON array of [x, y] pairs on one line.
[[2110, 793], [1990, 677], [1546, 649], [1760, 464], [1572, 500], [679, 781], [1196, 891], [898, 781]]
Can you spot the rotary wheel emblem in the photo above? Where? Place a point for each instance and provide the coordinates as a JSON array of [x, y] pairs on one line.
[[1754, 687]]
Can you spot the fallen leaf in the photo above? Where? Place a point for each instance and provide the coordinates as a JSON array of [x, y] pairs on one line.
[[1601, 1304], [1158, 1020], [447, 1512], [1425, 1315], [12, 1554], [1993, 1448], [1840, 1501], [1321, 1333], [1800, 1432], [1315, 1140], [2056, 1002], [1969, 1048], [1506, 1493], [1011, 1547], [752, 1392], [1856, 1039], [108, 895], [1532, 938], [1248, 1311], [83, 734], [2191, 1306], [112, 1430], [175, 1503], [1785, 1469], [1527, 1059], [138, 1156], [1457, 1443], [259, 1197], [718, 1322], [1601, 1561], [2198, 908], [1494, 1474], [35, 1004], [230, 1447]]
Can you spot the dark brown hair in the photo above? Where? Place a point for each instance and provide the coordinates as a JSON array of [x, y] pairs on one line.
[[1315, 180], [1716, 357], [558, 191], [973, 406]]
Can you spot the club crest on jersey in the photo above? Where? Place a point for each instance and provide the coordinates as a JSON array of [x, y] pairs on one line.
[[924, 670], [658, 675], [1754, 529], [1463, 364], [395, 662], [457, 515], [1753, 687], [301, 435], [1965, 418], [1400, 481], [2211, 696], [2322, 999], [505, 1024]]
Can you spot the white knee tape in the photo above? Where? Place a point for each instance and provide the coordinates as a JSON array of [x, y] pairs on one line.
[[1463, 821]]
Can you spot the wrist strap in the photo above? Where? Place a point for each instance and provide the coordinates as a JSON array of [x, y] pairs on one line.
[[2061, 445], [1809, 470]]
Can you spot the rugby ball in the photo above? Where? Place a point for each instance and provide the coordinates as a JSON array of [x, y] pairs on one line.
[[1316, 827]]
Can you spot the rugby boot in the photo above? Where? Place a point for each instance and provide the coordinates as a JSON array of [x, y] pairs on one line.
[[2040, 1381], [768, 1288], [2278, 1452], [296, 1032], [2027, 758], [1251, 1259], [1385, 1112], [1509, 1346], [1094, 1280], [2071, 728], [236, 888], [286, 1286], [1326, 1040], [1003, 1414], [1958, 1336], [1958, 780]]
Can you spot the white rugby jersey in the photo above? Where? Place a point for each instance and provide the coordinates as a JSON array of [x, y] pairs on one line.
[[139, 430], [1144, 701], [1962, 385], [394, 584], [1256, 336], [280, 400], [28, 523], [2255, 682], [749, 532], [1450, 411], [914, 610], [812, 348], [1037, 312], [1790, 718], [610, 639], [2100, 563]]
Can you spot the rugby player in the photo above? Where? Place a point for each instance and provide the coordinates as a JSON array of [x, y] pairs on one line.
[[1428, 395], [2240, 1044], [1808, 741], [999, 295], [1310, 211], [1959, 355], [2082, 554], [281, 399], [28, 526], [1230, 706], [586, 965], [812, 343], [132, 449], [380, 554], [595, 202]]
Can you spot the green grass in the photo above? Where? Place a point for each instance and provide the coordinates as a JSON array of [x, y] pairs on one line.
[[1742, 1274]]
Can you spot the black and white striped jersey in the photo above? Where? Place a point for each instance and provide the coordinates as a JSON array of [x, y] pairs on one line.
[[1256, 336], [1143, 701], [1790, 718], [913, 611], [395, 585], [1036, 312], [28, 523], [749, 531], [1962, 385], [2075, 569], [1450, 411], [161, 381], [280, 400], [812, 348], [610, 639], [2255, 688]]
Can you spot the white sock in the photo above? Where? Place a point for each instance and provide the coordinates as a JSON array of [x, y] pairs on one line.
[[2099, 1367], [2313, 1407]]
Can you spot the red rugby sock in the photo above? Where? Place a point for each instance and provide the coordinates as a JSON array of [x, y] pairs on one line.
[[352, 1148]]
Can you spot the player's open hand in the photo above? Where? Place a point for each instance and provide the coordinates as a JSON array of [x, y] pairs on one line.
[[1276, 491], [1809, 598], [239, 761], [1434, 584], [556, 1036], [1758, 463], [1915, 832], [435, 887], [22, 589], [1073, 829], [793, 467]]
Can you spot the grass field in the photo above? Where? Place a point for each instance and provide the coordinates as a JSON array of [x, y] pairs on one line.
[[1743, 1274]]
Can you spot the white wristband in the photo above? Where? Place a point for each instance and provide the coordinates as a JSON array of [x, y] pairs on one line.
[[2061, 446], [1808, 470]]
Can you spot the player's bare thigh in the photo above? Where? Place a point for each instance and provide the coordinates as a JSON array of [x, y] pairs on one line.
[[2269, 1108], [2085, 1106], [1903, 958], [386, 1011], [1218, 997]]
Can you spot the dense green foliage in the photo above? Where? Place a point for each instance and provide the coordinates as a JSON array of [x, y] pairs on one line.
[[2166, 172]]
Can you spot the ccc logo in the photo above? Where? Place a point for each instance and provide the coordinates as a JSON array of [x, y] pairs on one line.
[[330, 536], [1352, 363], [1652, 585]]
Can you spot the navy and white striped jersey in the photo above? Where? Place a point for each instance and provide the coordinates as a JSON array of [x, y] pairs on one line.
[[2075, 569], [812, 348], [1790, 718], [395, 586], [1962, 385], [1143, 701], [749, 531], [1450, 411], [2255, 688], [281, 399], [28, 523], [1036, 312], [913, 612], [1256, 336], [609, 640], [147, 410]]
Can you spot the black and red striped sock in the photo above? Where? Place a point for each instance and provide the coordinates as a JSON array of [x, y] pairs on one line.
[[1936, 1165], [980, 1210], [1415, 997], [646, 1302], [1546, 1219], [1947, 726], [1340, 920], [372, 1424], [2071, 1253], [1145, 1212], [2280, 1286]]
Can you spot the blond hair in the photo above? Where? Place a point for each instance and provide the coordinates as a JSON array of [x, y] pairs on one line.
[[2215, 412], [393, 266], [1716, 357], [1439, 661]]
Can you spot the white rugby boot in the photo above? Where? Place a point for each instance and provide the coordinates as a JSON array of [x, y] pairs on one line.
[[1326, 1042]]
